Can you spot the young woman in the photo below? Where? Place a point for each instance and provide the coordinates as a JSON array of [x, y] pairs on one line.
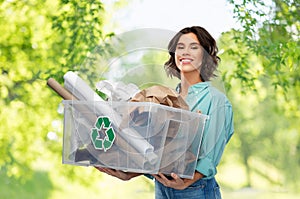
[[193, 59]]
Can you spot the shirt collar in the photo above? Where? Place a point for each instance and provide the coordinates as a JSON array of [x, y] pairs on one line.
[[198, 87]]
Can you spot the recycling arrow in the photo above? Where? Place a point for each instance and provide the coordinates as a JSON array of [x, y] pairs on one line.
[[103, 123]]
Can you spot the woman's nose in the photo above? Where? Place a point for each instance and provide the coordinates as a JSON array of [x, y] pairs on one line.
[[185, 51]]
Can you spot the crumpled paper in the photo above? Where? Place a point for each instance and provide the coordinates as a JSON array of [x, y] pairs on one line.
[[161, 95]]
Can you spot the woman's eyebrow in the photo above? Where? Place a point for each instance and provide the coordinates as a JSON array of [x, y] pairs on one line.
[[192, 43]]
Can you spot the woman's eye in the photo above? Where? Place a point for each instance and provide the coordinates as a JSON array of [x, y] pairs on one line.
[[194, 47], [180, 47]]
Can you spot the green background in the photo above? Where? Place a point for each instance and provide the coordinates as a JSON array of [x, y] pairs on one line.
[[259, 68]]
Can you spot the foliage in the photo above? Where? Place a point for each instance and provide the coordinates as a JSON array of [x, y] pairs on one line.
[[261, 61], [40, 39], [25, 48], [271, 31]]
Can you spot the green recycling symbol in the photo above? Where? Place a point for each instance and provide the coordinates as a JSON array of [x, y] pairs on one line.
[[103, 123]]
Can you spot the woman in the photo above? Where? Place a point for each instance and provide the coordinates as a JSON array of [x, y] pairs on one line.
[[193, 59]]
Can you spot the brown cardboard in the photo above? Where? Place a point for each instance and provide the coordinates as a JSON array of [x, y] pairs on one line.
[[161, 95]]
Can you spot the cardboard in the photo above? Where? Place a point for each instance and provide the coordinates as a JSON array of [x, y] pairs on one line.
[[161, 95]]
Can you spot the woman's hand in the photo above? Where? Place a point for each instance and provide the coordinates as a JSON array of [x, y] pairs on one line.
[[177, 182], [118, 173]]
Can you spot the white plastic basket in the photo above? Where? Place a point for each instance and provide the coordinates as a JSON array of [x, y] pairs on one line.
[[141, 137]]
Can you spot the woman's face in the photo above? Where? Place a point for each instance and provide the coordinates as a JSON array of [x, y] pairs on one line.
[[188, 53]]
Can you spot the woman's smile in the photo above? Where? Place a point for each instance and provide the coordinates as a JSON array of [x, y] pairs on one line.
[[185, 61]]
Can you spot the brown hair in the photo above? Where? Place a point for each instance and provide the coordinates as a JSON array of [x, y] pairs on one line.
[[210, 58]]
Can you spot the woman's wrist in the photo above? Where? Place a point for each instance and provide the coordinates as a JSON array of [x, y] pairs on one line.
[[197, 176]]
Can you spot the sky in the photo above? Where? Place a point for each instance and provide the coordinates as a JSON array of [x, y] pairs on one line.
[[214, 15]]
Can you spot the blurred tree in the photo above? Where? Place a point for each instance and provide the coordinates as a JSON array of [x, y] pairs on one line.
[[40, 39], [265, 54], [271, 31], [26, 50]]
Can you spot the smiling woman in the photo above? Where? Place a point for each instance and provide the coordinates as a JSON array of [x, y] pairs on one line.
[[193, 59]]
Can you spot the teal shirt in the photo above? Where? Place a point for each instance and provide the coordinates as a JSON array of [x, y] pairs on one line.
[[218, 128]]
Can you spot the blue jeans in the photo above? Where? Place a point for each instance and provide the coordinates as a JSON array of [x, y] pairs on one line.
[[201, 189]]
